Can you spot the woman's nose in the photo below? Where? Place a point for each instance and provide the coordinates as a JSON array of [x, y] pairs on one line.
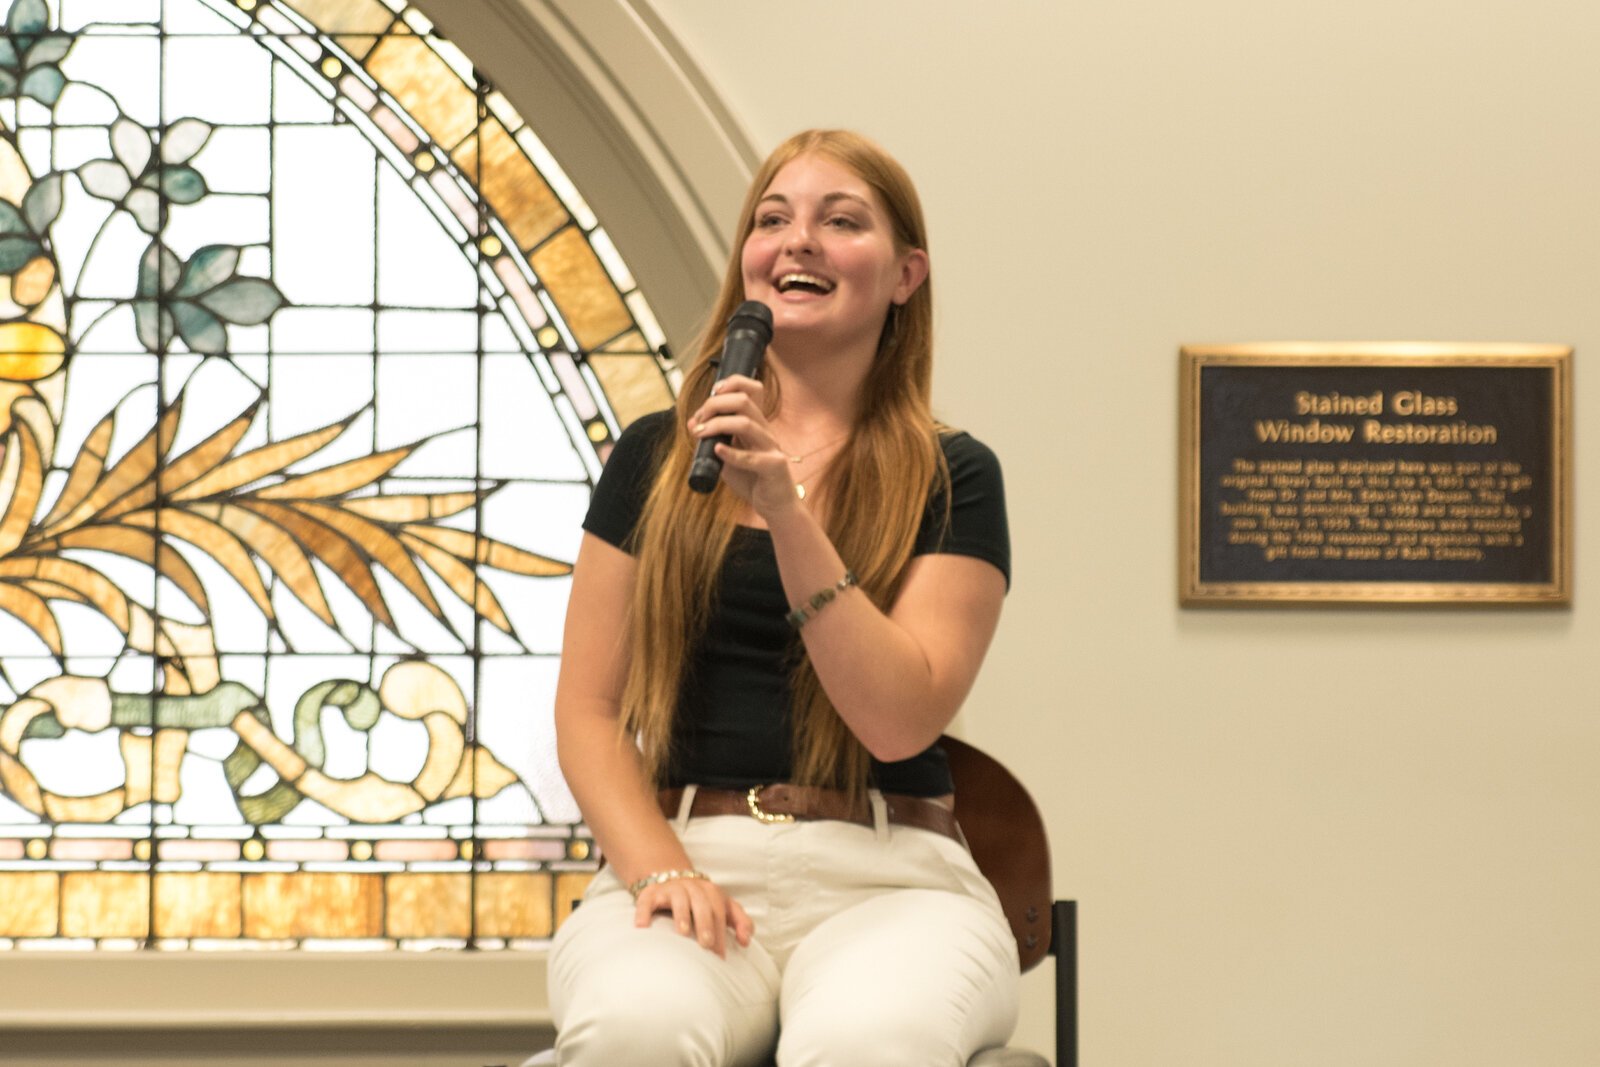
[[800, 238]]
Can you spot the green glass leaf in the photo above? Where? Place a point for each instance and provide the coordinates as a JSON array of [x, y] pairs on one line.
[[17, 252], [8, 83], [153, 324], [42, 203], [130, 143], [199, 329], [104, 179], [183, 140], [208, 267], [182, 185], [145, 207], [28, 16], [49, 49], [44, 84], [8, 54], [11, 221], [45, 727], [170, 270], [244, 301]]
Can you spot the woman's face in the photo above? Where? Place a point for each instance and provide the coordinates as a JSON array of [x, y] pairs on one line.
[[821, 254]]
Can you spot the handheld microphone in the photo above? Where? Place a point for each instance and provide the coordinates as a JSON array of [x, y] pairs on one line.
[[749, 333]]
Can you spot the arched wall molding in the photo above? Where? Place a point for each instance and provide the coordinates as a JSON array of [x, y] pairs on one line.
[[661, 161], [633, 122]]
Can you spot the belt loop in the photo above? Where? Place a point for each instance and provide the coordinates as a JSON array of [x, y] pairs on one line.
[[685, 807], [880, 814]]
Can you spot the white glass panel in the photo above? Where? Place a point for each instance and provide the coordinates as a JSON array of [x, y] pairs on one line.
[[422, 632], [322, 215], [303, 629], [311, 392], [206, 797], [236, 621], [118, 245], [191, 16], [100, 327], [425, 395], [298, 329], [527, 439], [518, 726], [122, 67], [66, 765], [293, 101], [216, 79], [236, 160], [218, 219], [428, 331], [419, 264]]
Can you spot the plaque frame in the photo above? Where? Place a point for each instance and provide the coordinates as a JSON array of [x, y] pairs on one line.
[[1435, 356]]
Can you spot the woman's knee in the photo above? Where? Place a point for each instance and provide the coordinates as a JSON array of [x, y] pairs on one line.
[[651, 997]]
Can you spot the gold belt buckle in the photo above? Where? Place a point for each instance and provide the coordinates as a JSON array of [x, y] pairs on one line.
[[753, 799]]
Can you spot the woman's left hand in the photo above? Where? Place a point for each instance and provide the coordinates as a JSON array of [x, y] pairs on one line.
[[753, 466]]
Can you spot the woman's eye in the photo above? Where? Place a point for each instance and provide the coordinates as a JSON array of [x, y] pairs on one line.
[[767, 222], [843, 222]]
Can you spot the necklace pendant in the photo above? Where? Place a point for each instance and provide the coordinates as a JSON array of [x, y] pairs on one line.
[[800, 490]]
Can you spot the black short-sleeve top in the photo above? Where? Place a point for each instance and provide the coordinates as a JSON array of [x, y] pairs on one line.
[[733, 725]]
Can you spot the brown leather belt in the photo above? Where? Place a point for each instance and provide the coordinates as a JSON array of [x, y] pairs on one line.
[[786, 803]]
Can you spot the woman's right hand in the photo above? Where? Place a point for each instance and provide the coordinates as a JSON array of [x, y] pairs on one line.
[[699, 909]]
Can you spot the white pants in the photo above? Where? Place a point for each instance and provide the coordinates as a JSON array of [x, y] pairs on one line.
[[872, 948]]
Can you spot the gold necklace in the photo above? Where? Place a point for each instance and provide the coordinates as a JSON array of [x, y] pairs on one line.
[[800, 487], [801, 457]]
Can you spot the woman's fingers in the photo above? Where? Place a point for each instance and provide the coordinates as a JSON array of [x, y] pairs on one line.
[[700, 910], [682, 915], [707, 919], [739, 922]]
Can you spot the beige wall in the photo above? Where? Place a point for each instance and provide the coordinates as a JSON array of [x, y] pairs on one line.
[[1299, 837]]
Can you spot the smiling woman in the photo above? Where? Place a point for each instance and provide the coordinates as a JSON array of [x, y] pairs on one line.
[[793, 657]]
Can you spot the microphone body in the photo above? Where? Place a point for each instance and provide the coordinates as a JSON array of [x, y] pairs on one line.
[[743, 349]]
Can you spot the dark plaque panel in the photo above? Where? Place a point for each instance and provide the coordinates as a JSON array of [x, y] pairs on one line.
[[1375, 473]]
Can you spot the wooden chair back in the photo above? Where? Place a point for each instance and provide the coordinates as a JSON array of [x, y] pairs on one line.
[[1007, 837]]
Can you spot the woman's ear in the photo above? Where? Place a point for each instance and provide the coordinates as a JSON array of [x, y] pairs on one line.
[[913, 272]]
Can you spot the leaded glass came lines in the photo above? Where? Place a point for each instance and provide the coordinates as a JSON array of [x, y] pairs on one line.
[[297, 422]]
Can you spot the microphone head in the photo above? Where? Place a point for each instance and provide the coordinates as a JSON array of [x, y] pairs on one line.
[[752, 315]]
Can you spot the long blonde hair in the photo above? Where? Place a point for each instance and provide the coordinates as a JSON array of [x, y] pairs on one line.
[[883, 471]]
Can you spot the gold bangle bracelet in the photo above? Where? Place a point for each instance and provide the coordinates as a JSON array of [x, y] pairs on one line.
[[660, 877]]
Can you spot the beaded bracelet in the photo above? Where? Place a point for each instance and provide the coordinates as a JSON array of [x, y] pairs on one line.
[[660, 877], [819, 600]]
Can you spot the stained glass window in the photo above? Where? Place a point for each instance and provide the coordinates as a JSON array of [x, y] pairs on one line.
[[309, 356]]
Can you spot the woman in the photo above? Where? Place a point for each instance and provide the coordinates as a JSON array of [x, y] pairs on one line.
[[817, 620]]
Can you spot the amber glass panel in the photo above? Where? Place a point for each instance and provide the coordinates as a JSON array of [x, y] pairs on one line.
[[346, 16], [428, 905], [513, 905], [631, 343], [105, 904], [632, 383], [426, 86], [512, 186], [31, 902], [570, 886], [357, 45], [198, 904], [313, 905], [569, 268]]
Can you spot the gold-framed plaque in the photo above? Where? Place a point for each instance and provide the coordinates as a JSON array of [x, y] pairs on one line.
[[1383, 473]]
